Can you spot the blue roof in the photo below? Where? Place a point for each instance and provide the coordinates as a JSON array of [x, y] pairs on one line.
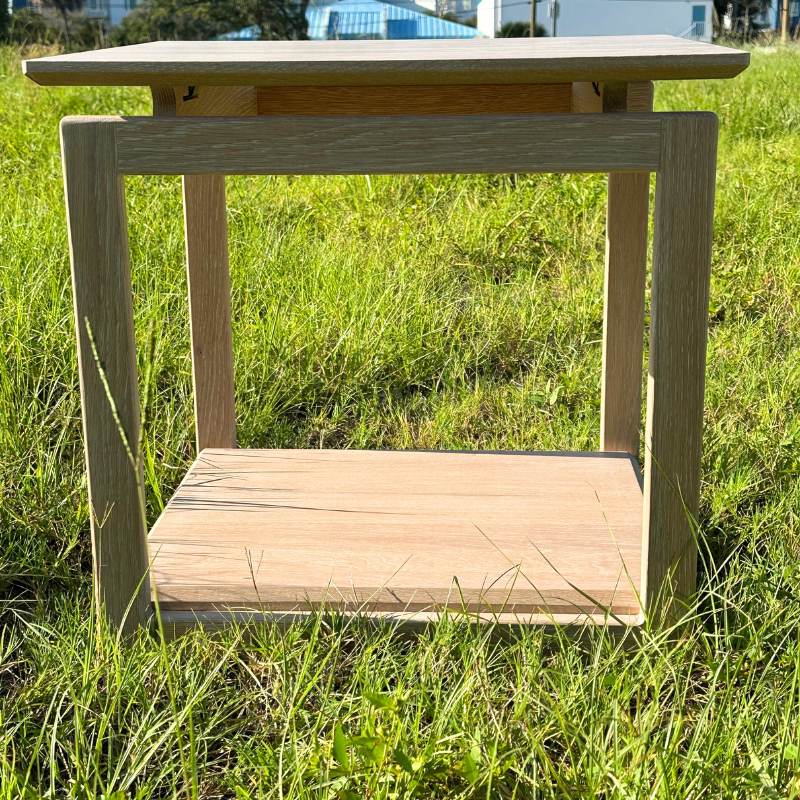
[[370, 19]]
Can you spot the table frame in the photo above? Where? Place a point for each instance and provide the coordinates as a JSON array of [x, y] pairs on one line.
[[680, 148]]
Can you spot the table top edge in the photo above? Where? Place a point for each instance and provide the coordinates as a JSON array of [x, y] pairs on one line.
[[387, 62]]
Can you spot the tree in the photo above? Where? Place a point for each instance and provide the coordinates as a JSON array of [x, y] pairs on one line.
[[743, 15], [277, 19], [198, 20], [519, 30], [5, 18], [193, 20], [63, 7], [30, 27]]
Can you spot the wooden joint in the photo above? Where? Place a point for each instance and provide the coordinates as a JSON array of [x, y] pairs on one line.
[[615, 97]]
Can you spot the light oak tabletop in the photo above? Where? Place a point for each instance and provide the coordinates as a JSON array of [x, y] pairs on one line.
[[393, 62]]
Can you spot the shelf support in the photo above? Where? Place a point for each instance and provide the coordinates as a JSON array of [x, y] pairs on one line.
[[625, 279], [208, 273]]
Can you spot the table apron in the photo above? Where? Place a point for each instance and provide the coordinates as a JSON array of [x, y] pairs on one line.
[[463, 144]]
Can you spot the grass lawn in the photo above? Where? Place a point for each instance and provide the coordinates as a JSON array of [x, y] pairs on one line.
[[404, 312]]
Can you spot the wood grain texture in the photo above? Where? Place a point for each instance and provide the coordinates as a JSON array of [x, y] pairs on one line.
[[178, 623], [206, 232], [98, 243], [210, 309], [215, 101], [163, 101], [538, 98], [615, 97], [409, 62], [587, 97], [401, 531], [623, 308], [282, 530], [388, 145], [640, 96], [684, 216]]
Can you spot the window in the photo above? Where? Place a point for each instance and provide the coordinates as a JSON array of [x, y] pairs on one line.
[[698, 14]]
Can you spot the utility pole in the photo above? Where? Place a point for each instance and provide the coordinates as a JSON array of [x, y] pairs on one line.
[[552, 12], [784, 20], [533, 19]]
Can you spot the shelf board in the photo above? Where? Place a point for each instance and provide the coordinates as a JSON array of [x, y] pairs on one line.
[[178, 623], [402, 532]]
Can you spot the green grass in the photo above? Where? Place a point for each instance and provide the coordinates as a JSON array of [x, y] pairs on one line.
[[427, 312]]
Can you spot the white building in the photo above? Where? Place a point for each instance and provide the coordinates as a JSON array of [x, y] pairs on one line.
[[111, 11], [687, 18]]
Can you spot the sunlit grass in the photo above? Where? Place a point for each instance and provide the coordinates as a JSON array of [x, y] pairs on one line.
[[427, 312]]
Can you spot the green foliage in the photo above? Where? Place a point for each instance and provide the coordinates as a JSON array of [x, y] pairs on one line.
[[29, 27], [154, 20], [745, 15], [520, 30], [450, 16], [277, 19], [86, 33], [64, 8], [416, 312], [5, 19]]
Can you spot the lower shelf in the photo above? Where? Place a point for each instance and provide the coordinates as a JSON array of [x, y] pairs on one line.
[[402, 532], [177, 623]]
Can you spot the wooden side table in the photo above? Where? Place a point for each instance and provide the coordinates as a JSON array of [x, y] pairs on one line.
[[535, 537]]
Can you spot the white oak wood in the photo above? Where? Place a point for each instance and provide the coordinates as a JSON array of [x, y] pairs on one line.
[[178, 623], [571, 520], [401, 531], [640, 96], [615, 97], [210, 309], [206, 231], [623, 309], [536, 98], [592, 98], [684, 217], [587, 97], [98, 243], [386, 145], [247, 101], [215, 101], [163, 101], [490, 61]]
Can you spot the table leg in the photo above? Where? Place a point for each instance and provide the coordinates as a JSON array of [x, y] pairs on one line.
[[684, 219], [101, 281], [205, 224], [210, 309], [625, 279]]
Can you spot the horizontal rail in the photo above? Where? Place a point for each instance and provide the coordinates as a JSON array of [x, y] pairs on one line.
[[464, 144]]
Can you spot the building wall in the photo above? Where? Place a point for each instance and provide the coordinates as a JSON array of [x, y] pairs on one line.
[[112, 11], [371, 19], [599, 17]]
